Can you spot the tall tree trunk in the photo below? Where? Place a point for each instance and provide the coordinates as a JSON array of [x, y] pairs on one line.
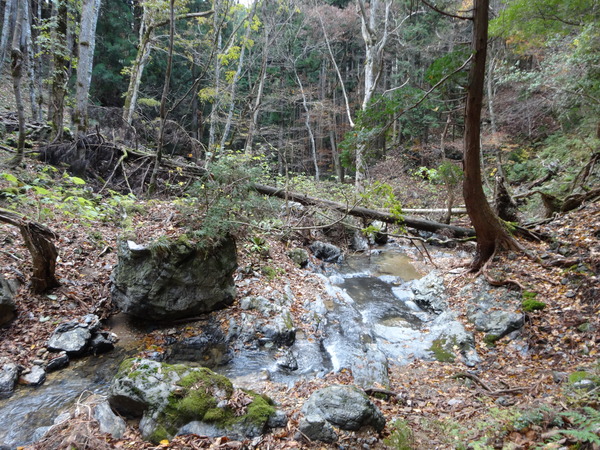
[[258, 100], [87, 42], [8, 24], [311, 136], [58, 91], [491, 234], [237, 75], [17, 62], [163, 100]]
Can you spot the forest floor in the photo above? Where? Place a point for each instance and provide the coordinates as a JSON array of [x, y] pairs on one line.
[[510, 401]]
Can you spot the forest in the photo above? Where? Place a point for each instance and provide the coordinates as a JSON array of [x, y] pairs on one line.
[[463, 133]]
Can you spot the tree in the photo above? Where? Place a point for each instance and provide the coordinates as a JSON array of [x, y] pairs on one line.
[[491, 233], [60, 67], [87, 42]]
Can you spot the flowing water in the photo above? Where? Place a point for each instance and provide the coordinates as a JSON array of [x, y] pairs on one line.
[[369, 320]]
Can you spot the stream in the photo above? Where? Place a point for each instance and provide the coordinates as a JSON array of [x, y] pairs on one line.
[[369, 321]]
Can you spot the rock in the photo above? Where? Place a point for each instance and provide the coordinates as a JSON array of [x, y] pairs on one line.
[[171, 398], [346, 407], [208, 349], [174, 281], [109, 422], [8, 289], [497, 323], [280, 331], [326, 252], [429, 293], [35, 377], [379, 234], [316, 428], [452, 341], [8, 377], [57, 363], [299, 256], [359, 242], [288, 362], [69, 337], [101, 342], [277, 420], [371, 368]]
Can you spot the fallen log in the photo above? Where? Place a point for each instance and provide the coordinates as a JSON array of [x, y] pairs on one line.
[[365, 213]]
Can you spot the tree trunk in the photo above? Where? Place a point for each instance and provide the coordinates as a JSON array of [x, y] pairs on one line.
[[56, 110], [163, 100], [38, 239], [311, 136], [10, 8], [87, 42], [491, 234], [17, 62]]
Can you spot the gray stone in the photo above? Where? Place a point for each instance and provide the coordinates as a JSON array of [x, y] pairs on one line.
[[174, 281], [57, 363], [35, 377], [69, 337], [316, 428], [359, 242], [288, 361], [429, 293], [8, 377], [109, 422], [209, 349], [8, 289], [326, 252], [277, 420], [280, 331], [371, 368], [101, 342], [299, 256], [497, 323], [346, 407]]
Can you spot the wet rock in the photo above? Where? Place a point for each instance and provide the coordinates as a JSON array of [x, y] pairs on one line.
[[288, 362], [260, 304], [173, 281], [102, 342], [209, 349], [326, 252], [172, 399], [429, 293], [280, 331], [371, 368], [8, 289], [346, 407], [359, 242], [109, 422], [8, 377], [34, 377], [277, 420], [57, 363], [70, 337], [299, 256]]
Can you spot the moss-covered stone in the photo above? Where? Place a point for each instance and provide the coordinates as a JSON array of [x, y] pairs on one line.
[[491, 339], [442, 350], [172, 396]]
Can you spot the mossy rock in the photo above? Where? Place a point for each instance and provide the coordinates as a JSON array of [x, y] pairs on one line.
[[172, 396], [442, 350]]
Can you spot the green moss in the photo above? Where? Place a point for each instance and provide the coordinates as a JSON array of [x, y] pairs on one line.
[[441, 350], [159, 434], [218, 415], [491, 339], [259, 410], [578, 376], [530, 305]]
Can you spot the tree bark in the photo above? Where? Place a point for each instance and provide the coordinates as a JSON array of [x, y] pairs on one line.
[[491, 234], [56, 110], [17, 63], [38, 239], [365, 213], [87, 42]]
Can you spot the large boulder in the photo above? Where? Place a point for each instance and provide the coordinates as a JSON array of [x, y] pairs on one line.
[[345, 407], [174, 280], [177, 399], [9, 373], [8, 289], [326, 252]]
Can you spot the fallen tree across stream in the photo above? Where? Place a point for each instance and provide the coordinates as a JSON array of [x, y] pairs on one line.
[[365, 213]]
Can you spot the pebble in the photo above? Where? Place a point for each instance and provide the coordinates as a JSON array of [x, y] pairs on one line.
[[570, 294]]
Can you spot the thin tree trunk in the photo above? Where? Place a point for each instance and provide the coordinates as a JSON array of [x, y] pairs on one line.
[[491, 234], [7, 25], [87, 42], [258, 100], [17, 62], [311, 136], [163, 100], [237, 75]]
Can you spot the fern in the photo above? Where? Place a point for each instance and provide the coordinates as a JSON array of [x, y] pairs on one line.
[[585, 426]]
